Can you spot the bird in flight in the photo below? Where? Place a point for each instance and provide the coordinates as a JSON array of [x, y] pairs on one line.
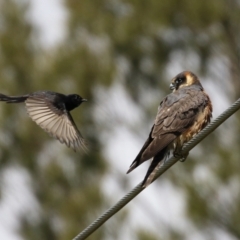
[[51, 111], [181, 115]]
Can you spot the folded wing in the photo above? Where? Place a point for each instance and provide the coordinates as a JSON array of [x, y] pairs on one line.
[[176, 113]]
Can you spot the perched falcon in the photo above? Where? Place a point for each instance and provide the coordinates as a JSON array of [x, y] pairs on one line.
[[181, 115], [50, 110]]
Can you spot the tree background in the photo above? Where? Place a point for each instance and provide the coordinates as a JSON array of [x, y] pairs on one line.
[[121, 56]]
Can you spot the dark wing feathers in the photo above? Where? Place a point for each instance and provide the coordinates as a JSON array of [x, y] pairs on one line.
[[137, 162], [175, 114], [154, 166], [56, 121], [156, 145]]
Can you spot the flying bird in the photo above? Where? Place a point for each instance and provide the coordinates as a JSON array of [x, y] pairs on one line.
[[181, 115], [51, 111]]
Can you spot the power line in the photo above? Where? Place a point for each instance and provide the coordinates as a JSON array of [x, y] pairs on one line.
[[171, 161]]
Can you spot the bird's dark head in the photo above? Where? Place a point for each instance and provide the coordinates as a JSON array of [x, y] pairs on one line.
[[73, 101], [76, 99], [184, 79]]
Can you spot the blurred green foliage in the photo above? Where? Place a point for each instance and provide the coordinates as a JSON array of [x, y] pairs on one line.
[[102, 34]]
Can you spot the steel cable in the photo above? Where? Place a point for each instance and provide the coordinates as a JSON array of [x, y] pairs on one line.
[[172, 160]]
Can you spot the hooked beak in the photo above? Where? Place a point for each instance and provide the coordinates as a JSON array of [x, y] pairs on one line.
[[172, 86], [84, 100]]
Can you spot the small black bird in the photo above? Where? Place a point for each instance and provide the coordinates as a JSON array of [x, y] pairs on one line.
[[181, 115], [51, 111]]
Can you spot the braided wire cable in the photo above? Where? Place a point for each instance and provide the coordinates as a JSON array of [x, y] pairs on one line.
[[171, 161]]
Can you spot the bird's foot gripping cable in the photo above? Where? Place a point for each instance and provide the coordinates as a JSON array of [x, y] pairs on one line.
[[182, 157]]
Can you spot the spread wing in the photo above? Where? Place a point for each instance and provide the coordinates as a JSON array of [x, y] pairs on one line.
[[175, 114], [57, 122]]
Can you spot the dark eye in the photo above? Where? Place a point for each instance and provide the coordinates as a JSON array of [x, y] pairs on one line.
[[179, 80]]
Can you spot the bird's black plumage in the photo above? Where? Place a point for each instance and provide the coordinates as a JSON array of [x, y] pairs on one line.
[[51, 111], [181, 115]]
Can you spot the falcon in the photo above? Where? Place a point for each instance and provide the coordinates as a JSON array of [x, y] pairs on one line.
[[51, 111], [181, 115]]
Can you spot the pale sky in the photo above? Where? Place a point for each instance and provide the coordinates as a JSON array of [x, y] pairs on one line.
[[50, 16]]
